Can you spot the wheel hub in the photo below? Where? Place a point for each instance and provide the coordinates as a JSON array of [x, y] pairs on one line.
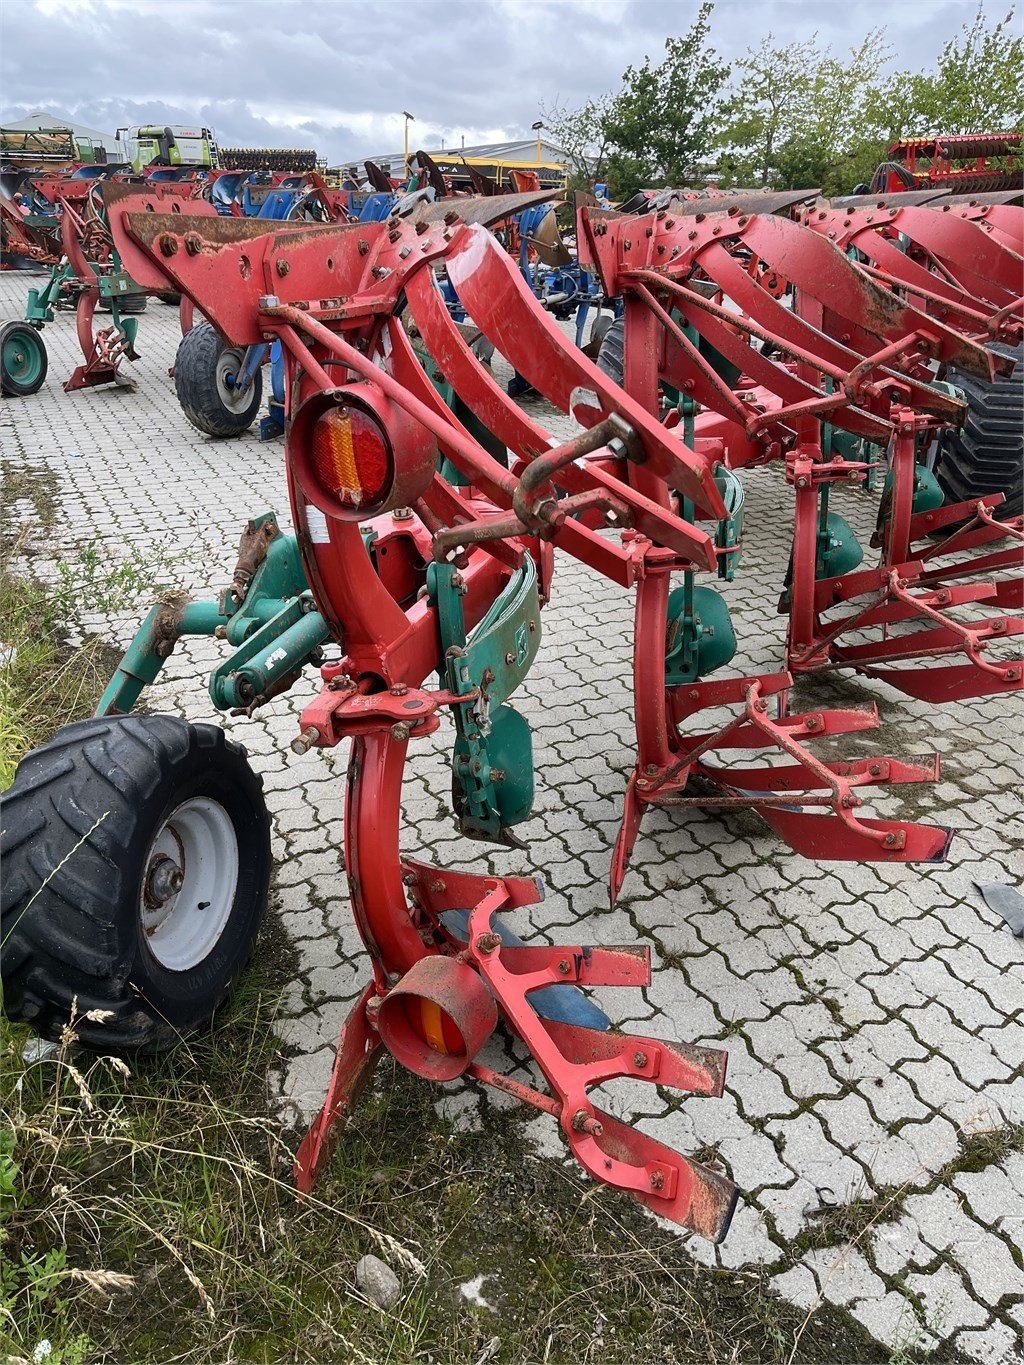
[[163, 880], [189, 884]]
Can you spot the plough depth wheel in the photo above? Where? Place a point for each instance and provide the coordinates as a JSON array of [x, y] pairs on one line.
[[22, 360], [155, 914], [205, 371]]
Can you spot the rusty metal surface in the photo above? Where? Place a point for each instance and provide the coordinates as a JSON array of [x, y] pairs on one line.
[[770, 201], [487, 210], [889, 199], [989, 197]]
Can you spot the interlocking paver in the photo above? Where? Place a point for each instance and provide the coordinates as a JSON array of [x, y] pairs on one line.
[[897, 1013]]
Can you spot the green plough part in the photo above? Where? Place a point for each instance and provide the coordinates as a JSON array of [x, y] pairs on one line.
[[492, 761], [267, 613]]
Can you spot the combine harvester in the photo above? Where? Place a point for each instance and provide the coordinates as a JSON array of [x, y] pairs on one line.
[[141, 842]]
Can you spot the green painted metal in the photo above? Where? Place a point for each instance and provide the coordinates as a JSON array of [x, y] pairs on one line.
[[839, 551], [700, 633], [153, 642], [278, 578], [271, 657], [492, 760], [118, 284], [273, 624], [729, 531], [40, 301]]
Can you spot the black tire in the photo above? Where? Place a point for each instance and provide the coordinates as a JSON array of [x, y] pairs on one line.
[[199, 366], [599, 329], [171, 299], [79, 826], [611, 357], [987, 456], [130, 303], [23, 360]]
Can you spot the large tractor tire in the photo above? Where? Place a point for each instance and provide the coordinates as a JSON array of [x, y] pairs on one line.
[[23, 360], [203, 368], [987, 456], [136, 857]]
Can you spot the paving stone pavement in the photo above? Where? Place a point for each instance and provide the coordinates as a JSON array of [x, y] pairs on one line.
[[874, 1015]]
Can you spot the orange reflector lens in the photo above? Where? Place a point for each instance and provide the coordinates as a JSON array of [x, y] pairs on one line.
[[351, 458]]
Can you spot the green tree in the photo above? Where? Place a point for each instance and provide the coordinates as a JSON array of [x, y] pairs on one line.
[[977, 86], [773, 89], [832, 141], [662, 123], [581, 135]]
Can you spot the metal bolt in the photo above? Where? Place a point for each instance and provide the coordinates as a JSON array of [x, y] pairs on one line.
[[487, 943], [399, 690], [582, 1122], [168, 244], [639, 1058], [564, 966], [437, 886], [401, 731], [657, 1179], [651, 769], [510, 658], [364, 247], [193, 243], [305, 740], [281, 266]]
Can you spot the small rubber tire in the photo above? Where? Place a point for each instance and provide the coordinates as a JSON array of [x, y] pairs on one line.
[[202, 361], [128, 304], [611, 357], [599, 329], [80, 826], [171, 299], [23, 360], [987, 455]]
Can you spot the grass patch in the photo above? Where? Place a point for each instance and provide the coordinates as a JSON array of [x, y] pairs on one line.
[[151, 1218]]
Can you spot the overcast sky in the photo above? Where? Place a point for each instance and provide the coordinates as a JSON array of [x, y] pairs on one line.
[[336, 74]]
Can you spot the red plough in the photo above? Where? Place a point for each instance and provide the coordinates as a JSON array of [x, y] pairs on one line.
[[415, 572]]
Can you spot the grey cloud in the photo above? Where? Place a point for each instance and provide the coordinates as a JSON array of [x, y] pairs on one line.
[[273, 73]]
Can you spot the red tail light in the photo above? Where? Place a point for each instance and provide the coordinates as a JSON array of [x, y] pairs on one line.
[[355, 453], [351, 458]]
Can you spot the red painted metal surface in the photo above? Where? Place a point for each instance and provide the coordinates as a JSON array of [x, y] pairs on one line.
[[821, 344]]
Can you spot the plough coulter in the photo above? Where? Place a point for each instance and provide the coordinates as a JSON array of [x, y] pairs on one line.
[[424, 549]]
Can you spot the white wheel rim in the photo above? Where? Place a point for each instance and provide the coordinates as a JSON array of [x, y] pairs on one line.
[[189, 883], [229, 364]]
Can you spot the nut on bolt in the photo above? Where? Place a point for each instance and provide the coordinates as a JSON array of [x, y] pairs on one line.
[[582, 1122], [487, 943], [305, 740]]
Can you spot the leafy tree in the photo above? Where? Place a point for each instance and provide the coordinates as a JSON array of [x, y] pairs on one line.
[[832, 143], [774, 89], [581, 135], [662, 123], [978, 84]]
